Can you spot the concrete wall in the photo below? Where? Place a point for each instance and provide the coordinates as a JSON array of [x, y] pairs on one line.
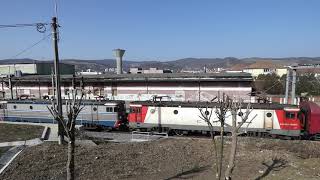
[[11, 68], [256, 72], [38, 68], [133, 91]]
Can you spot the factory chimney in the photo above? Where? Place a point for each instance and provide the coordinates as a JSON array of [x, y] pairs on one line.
[[118, 53]]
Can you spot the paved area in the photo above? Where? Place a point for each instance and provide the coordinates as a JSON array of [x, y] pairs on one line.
[[123, 137], [8, 156], [31, 142]]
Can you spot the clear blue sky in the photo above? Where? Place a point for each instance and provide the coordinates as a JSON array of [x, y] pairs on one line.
[[165, 29]]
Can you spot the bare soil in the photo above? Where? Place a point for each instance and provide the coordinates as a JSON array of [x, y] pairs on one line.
[[15, 132], [185, 158]]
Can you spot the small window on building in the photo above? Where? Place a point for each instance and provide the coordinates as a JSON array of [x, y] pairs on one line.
[[115, 109], [66, 91], [175, 112], [269, 115], [14, 107], [31, 107], [109, 109], [96, 92], [290, 115]]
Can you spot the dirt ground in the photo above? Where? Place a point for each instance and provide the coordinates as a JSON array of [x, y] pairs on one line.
[[15, 132], [184, 158]]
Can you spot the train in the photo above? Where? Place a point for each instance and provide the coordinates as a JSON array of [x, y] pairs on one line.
[[174, 117], [106, 114], [267, 119]]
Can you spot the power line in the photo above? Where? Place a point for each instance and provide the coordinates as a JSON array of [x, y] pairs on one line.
[[41, 27], [30, 47]]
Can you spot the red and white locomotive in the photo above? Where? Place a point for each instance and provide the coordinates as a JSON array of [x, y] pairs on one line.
[[265, 119]]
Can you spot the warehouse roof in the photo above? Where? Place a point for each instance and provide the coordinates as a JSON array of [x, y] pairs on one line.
[[145, 77]]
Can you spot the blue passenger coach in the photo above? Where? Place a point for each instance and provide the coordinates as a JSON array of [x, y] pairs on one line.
[[104, 114]]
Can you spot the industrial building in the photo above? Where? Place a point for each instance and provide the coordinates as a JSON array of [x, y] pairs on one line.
[[37, 68], [131, 87], [148, 71]]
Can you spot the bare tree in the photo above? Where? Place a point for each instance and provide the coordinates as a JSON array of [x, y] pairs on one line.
[[206, 117], [236, 111], [223, 105], [220, 109], [73, 108]]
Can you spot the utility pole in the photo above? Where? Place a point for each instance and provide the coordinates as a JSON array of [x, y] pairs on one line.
[[293, 91], [10, 87], [287, 87], [55, 26]]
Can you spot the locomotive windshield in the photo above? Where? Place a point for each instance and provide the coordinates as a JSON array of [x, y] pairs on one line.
[[290, 115]]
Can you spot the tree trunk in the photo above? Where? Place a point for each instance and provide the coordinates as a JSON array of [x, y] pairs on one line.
[[233, 149], [221, 150], [70, 163], [232, 155], [215, 149]]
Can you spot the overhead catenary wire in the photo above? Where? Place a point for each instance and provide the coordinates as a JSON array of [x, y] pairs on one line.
[[41, 27], [30, 47]]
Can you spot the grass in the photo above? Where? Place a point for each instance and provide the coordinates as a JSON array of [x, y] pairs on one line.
[[14, 132]]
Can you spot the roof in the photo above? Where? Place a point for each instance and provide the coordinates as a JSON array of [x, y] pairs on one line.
[[85, 102], [143, 77], [209, 104]]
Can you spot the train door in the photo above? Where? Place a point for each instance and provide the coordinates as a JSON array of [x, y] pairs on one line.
[[138, 114], [268, 119], [3, 107], [94, 112]]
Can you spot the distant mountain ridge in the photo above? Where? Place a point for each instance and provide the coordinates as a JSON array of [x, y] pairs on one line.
[[175, 65]]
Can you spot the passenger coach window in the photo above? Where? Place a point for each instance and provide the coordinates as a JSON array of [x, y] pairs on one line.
[[290, 115]]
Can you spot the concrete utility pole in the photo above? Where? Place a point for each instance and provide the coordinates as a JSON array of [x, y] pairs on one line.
[[10, 86], [287, 87], [293, 91], [55, 26]]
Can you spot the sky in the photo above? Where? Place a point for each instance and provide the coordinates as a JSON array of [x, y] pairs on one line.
[[164, 29]]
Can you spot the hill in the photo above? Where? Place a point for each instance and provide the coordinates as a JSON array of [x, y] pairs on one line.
[[175, 65]]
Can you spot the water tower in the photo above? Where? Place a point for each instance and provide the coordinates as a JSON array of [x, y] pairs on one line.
[[118, 53]]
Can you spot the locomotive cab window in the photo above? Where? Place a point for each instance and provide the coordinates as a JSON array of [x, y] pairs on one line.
[[3, 106], [115, 109], [109, 109], [135, 110], [290, 115]]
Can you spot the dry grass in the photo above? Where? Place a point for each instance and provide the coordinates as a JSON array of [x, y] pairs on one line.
[[14, 132]]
